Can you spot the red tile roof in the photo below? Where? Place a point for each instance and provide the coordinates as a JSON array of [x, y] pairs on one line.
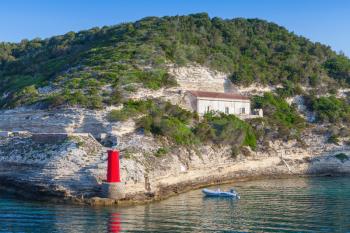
[[218, 95]]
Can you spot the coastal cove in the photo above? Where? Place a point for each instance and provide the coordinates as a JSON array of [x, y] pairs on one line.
[[164, 122], [179, 122], [73, 169], [306, 204]]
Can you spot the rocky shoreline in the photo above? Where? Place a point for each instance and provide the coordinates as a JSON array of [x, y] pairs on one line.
[[33, 193], [71, 168]]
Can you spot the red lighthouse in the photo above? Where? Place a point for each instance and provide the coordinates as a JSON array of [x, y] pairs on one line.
[[113, 170], [113, 187]]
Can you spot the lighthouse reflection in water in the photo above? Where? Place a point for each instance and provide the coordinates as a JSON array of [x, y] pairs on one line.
[[114, 223], [314, 204]]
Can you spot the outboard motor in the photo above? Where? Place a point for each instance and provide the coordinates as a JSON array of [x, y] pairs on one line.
[[235, 193]]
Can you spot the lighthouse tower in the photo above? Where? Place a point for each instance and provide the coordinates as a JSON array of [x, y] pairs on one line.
[[112, 187]]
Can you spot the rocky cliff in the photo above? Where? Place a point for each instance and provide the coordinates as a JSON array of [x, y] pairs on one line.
[[73, 166], [59, 156]]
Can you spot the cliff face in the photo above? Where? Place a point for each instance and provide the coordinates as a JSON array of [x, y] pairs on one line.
[[73, 166], [54, 121], [78, 120], [60, 165]]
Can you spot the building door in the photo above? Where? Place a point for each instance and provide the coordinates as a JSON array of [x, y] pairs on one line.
[[227, 110]]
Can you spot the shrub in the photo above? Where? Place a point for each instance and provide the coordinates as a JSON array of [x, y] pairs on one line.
[[56, 100], [170, 127], [328, 109], [75, 98], [157, 78], [176, 130], [278, 113], [130, 109], [27, 95], [138, 106], [117, 115], [234, 152], [183, 127], [94, 102], [178, 112], [333, 139], [161, 152], [338, 68], [314, 81], [225, 129], [115, 98], [289, 89]]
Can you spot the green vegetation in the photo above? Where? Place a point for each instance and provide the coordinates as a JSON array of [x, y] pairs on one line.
[[183, 127], [328, 109], [131, 109], [161, 152], [171, 122], [289, 89], [93, 68], [225, 129], [333, 139], [339, 68], [101, 66], [279, 116], [342, 157]]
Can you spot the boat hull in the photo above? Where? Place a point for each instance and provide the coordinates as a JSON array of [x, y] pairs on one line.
[[211, 193]]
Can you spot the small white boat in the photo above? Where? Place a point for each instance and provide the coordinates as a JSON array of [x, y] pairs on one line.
[[218, 193]]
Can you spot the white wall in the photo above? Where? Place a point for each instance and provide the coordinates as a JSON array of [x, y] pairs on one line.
[[234, 106]]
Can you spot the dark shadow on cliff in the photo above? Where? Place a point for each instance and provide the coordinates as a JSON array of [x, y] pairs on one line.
[[37, 170], [330, 163], [92, 125]]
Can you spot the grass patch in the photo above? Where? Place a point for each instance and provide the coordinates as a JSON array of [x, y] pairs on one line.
[[161, 152]]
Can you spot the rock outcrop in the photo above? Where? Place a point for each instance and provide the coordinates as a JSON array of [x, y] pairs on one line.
[[73, 167], [61, 158], [63, 165]]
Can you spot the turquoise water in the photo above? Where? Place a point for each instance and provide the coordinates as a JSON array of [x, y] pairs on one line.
[[286, 205]]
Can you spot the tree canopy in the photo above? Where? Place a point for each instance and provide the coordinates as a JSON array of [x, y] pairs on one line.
[[90, 68]]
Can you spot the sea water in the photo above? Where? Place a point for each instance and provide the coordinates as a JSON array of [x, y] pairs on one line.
[[317, 204]]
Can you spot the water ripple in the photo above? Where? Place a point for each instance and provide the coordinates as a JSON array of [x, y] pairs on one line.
[[286, 205]]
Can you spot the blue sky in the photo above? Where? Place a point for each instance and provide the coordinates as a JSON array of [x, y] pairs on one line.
[[326, 21]]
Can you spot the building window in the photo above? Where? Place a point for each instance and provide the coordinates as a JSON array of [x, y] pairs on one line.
[[242, 110], [227, 110], [208, 109]]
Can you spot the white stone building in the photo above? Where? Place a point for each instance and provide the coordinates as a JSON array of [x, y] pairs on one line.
[[228, 103]]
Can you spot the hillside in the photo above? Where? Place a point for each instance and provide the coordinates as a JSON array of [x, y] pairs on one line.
[[67, 99], [94, 68], [141, 68]]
